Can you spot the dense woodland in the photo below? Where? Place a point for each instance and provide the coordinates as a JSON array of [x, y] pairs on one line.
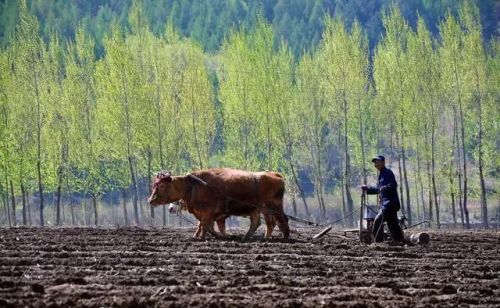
[[301, 23], [88, 117]]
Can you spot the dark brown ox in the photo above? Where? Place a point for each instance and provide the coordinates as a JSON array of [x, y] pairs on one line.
[[221, 221], [215, 194]]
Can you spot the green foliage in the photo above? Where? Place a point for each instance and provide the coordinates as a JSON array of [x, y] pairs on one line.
[[101, 105], [299, 23]]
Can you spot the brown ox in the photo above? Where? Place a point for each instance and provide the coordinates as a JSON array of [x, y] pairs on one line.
[[221, 221], [215, 194]]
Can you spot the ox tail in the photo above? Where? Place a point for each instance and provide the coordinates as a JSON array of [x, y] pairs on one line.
[[280, 193]]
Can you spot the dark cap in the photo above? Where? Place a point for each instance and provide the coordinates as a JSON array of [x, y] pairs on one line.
[[378, 157]]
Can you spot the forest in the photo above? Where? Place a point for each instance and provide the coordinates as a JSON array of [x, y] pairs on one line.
[[88, 116]]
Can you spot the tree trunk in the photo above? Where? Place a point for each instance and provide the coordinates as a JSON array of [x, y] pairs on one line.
[[53, 208], [322, 200], [5, 206], [407, 187], [13, 202], [434, 188], [401, 183], [86, 215], [341, 164], [6, 200], [458, 171], [60, 176], [315, 151], [134, 190], [72, 209], [124, 206], [450, 176], [23, 194], [464, 193], [419, 176], [362, 142], [160, 139], [429, 182], [137, 192], [459, 185], [39, 147], [193, 125], [63, 213], [316, 189], [287, 140], [40, 190], [297, 184], [150, 159], [318, 177], [294, 204], [58, 197], [350, 203], [28, 208], [417, 199], [452, 196], [484, 205], [94, 203]]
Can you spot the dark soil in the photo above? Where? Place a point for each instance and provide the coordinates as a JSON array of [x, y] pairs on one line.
[[68, 267]]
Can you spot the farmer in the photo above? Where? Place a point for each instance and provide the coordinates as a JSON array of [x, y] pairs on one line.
[[389, 202]]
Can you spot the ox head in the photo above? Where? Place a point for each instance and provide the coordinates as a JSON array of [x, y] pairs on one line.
[[163, 190], [176, 207]]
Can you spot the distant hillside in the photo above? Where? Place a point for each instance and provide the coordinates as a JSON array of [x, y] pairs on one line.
[[299, 22]]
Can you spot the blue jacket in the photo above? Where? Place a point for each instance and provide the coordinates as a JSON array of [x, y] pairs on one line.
[[388, 189]]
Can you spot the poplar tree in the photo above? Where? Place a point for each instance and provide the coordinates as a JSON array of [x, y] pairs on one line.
[[345, 64], [198, 108], [118, 110], [389, 75], [427, 84], [30, 91], [314, 122], [57, 143], [241, 110], [454, 82], [475, 64], [83, 145], [288, 114]]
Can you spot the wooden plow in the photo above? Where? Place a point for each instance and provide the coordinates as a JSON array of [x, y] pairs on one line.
[[367, 214]]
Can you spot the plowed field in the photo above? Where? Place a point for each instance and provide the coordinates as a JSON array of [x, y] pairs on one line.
[[166, 267]]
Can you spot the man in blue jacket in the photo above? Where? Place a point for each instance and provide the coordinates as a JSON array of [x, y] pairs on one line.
[[389, 202]]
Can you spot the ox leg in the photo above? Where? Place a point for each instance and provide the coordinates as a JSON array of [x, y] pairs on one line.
[[270, 224], [198, 230], [221, 225], [208, 227], [280, 218], [283, 224], [254, 223], [198, 227]]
